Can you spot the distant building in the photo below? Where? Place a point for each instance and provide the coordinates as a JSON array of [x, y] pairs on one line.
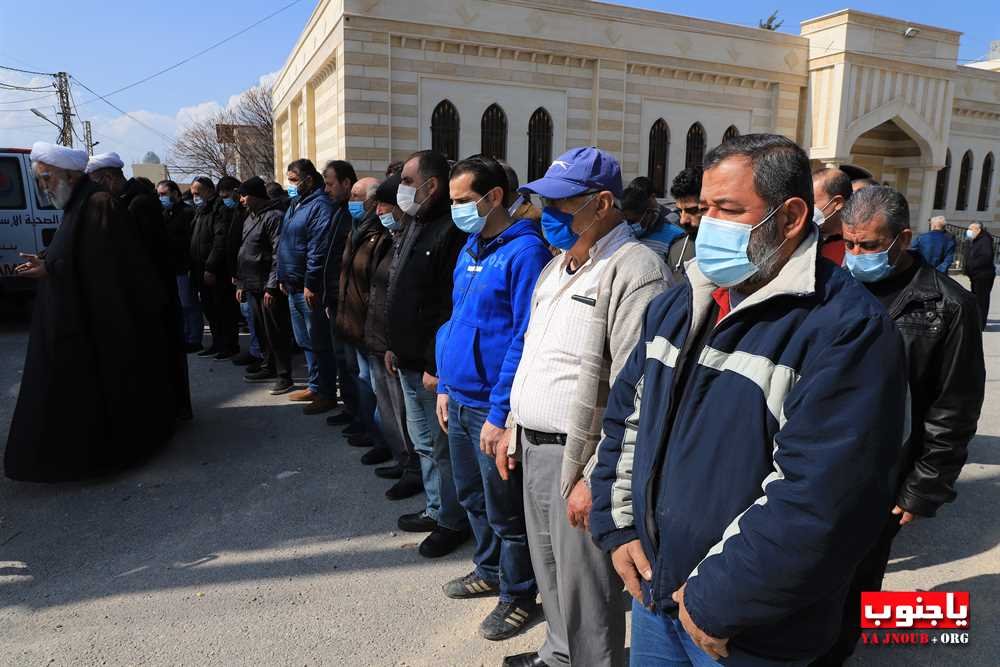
[[250, 147], [154, 172], [371, 82]]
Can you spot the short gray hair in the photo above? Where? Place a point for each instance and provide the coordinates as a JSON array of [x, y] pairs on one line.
[[938, 222], [868, 202]]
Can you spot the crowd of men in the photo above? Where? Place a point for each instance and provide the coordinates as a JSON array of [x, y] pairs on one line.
[[729, 406]]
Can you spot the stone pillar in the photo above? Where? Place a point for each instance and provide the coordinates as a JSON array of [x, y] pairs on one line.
[[920, 211]]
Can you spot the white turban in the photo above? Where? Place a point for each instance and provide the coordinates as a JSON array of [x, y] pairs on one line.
[[59, 156], [104, 161]]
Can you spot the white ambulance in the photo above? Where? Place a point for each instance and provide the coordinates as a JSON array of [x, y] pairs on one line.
[[28, 221]]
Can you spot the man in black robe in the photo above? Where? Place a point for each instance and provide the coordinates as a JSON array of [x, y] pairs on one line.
[[139, 200], [92, 399]]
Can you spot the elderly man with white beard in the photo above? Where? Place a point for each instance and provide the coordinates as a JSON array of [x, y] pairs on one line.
[[92, 399]]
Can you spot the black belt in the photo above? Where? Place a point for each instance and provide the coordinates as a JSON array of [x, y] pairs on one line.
[[540, 438]]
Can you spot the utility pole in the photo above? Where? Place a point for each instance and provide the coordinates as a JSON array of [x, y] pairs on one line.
[[62, 89], [88, 137]]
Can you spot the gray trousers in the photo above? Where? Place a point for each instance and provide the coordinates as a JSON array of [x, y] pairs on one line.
[[581, 592], [392, 408]]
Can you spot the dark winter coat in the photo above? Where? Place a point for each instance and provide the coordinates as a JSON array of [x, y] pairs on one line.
[[365, 248], [208, 239], [257, 265], [177, 221]]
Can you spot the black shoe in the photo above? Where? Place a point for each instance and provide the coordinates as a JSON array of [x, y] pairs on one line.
[[508, 618], [245, 359], [442, 541], [282, 386], [418, 522], [260, 375], [354, 428], [208, 352], [361, 441], [524, 660], [376, 456], [339, 419], [254, 367], [407, 487], [470, 586], [390, 472], [226, 355], [191, 348]]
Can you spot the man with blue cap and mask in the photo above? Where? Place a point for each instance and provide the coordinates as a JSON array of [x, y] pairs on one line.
[[743, 471], [586, 317], [939, 322]]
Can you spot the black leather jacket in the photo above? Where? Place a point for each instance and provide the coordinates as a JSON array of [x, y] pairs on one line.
[[939, 322]]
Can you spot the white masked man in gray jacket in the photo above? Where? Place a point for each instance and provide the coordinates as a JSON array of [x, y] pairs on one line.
[[586, 316]]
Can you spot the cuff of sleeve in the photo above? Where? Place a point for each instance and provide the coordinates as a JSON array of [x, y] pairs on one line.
[[696, 609], [497, 417], [314, 285], [613, 540], [915, 504]]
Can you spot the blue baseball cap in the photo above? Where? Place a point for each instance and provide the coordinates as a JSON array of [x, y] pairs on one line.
[[577, 171]]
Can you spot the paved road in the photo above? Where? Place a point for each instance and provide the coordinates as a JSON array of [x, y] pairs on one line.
[[258, 537]]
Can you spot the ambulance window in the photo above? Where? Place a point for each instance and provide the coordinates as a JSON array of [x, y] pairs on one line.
[[11, 185]]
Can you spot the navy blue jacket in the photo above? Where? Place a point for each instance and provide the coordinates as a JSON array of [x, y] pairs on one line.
[[479, 347], [305, 242], [937, 248], [763, 482]]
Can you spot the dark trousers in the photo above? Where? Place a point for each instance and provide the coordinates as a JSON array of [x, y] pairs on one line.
[[867, 577], [347, 374], [222, 312], [981, 288], [495, 507], [273, 325], [392, 414]]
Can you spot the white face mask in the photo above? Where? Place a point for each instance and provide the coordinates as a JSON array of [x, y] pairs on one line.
[[406, 198], [60, 194], [819, 215]]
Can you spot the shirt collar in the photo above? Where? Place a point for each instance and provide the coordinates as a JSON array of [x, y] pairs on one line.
[[605, 246]]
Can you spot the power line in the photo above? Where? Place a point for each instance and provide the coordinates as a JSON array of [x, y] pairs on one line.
[[121, 111], [26, 99], [192, 57], [26, 71]]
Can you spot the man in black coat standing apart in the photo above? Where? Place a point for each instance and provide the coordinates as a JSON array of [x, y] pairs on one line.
[[980, 268]]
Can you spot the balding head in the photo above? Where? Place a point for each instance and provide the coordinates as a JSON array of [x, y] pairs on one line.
[[831, 189], [364, 189]]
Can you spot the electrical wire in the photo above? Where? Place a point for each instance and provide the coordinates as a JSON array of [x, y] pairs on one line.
[[120, 110], [26, 71]]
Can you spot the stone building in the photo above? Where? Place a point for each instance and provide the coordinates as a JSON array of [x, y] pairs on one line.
[[371, 81]]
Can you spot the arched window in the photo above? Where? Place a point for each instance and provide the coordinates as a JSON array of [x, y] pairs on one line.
[[659, 152], [964, 176], [695, 146], [539, 143], [986, 183], [730, 133], [941, 186], [444, 130], [494, 132]]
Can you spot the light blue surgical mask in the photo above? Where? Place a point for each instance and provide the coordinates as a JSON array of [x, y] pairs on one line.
[[870, 267], [969, 234], [198, 201], [229, 202], [557, 226], [721, 250], [166, 201], [390, 222], [293, 191], [466, 216], [357, 209]]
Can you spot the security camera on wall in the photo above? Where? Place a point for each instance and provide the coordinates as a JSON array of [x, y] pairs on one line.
[[910, 33]]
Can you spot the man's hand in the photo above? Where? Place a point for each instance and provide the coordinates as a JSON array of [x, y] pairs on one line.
[[268, 299], [430, 383], [390, 362], [442, 411], [311, 298], [715, 648], [904, 516], [208, 278], [578, 506], [33, 268], [490, 438], [504, 462], [630, 563], [239, 296]]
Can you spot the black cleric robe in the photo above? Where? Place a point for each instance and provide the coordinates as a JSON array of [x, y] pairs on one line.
[[93, 399]]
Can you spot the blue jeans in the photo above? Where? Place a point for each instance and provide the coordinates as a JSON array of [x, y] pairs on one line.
[[431, 445], [661, 641], [194, 325], [367, 406], [312, 333], [495, 507], [247, 312]]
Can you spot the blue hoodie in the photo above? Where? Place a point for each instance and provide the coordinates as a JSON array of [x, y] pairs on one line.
[[479, 348]]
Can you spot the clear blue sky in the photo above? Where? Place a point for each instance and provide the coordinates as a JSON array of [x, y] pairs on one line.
[[113, 43]]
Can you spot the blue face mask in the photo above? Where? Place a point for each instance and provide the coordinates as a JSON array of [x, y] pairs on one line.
[[197, 201], [870, 267], [969, 234], [357, 209], [466, 216], [165, 201], [721, 250], [293, 191], [557, 226], [389, 222], [229, 202]]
